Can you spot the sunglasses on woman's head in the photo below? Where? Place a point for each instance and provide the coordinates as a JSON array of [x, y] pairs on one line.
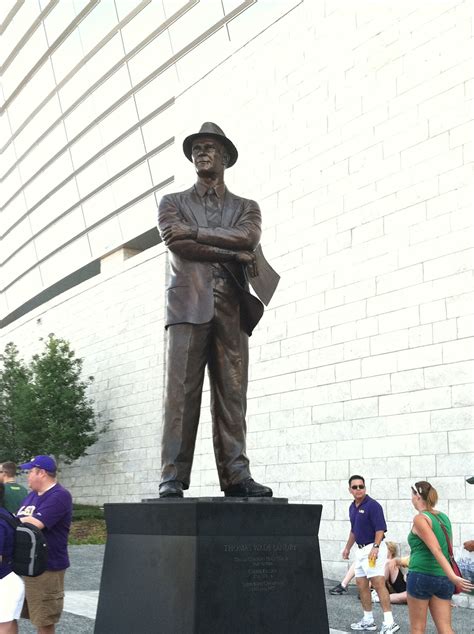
[[357, 486]]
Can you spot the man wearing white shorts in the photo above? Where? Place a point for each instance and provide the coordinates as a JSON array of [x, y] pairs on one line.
[[12, 588], [368, 528]]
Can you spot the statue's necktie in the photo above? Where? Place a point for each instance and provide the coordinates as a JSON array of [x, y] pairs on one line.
[[213, 208]]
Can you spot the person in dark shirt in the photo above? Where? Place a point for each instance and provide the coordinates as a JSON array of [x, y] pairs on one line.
[[394, 577], [14, 492], [368, 529], [12, 588], [49, 507]]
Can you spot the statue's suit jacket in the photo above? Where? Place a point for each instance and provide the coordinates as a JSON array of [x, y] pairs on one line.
[[190, 297]]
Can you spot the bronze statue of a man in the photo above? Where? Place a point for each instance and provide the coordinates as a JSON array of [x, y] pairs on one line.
[[213, 240]]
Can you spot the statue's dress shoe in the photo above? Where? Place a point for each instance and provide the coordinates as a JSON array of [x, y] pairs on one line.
[[248, 489], [171, 489]]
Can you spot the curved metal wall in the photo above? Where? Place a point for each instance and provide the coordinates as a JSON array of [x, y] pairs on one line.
[[87, 126]]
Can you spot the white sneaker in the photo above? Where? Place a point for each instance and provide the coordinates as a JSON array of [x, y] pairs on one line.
[[364, 626], [389, 629], [375, 596]]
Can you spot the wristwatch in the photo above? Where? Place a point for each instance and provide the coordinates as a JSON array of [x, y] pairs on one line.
[[376, 546]]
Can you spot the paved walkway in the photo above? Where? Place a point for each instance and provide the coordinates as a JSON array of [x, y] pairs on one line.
[[82, 591], [82, 602]]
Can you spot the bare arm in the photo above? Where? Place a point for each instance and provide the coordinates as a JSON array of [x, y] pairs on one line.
[[402, 562], [27, 519], [374, 553], [349, 544], [422, 528]]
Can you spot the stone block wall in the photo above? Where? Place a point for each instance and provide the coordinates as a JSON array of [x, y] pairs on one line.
[[352, 122]]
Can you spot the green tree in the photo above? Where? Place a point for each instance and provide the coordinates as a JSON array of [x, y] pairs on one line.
[[44, 406], [16, 404], [63, 423]]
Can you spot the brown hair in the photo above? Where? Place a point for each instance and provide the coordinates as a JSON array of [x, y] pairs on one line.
[[427, 493], [9, 468], [392, 548]]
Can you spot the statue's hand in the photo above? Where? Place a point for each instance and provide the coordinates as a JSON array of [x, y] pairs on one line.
[[178, 231], [248, 259]]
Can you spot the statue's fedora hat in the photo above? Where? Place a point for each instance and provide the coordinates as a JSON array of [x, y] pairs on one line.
[[213, 131]]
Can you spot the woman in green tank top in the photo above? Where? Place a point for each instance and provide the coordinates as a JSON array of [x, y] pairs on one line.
[[431, 580]]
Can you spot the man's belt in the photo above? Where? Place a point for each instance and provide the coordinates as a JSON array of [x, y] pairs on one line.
[[368, 544]]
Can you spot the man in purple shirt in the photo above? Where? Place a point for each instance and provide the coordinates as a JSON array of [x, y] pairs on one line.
[[49, 507], [368, 532]]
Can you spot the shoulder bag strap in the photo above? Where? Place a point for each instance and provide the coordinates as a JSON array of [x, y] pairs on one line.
[[448, 541]]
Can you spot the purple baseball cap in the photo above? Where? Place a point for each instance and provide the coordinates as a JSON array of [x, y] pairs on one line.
[[42, 462]]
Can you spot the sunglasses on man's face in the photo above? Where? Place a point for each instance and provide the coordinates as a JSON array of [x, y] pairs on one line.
[[354, 487]]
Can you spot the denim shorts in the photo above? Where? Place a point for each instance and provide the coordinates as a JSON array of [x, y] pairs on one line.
[[421, 586]]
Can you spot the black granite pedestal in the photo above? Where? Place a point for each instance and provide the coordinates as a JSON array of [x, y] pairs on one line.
[[212, 566]]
